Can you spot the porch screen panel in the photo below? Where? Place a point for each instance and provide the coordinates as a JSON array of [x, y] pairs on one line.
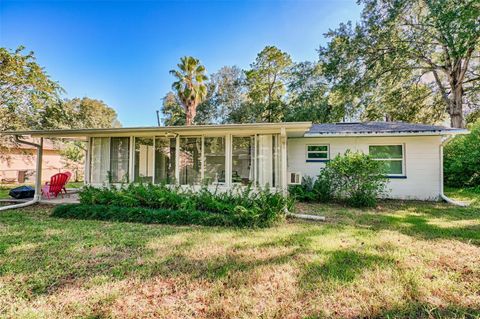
[[268, 160], [243, 150], [119, 159], [100, 160], [165, 160], [214, 160], [143, 168], [190, 160]]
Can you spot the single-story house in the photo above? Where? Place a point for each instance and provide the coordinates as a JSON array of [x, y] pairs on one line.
[[263, 154]]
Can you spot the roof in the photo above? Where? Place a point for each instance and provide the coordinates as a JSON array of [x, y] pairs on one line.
[[298, 129], [379, 128]]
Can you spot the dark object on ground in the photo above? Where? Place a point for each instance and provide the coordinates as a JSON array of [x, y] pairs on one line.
[[22, 192]]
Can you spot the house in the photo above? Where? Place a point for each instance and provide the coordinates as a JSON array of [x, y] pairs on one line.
[[17, 162], [263, 154]]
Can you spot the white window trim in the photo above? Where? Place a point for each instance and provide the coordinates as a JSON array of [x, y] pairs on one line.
[[404, 172], [317, 159]]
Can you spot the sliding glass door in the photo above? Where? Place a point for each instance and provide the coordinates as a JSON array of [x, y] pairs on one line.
[[143, 168], [268, 160], [109, 160], [214, 155], [119, 159], [165, 160], [243, 150], [190, 160]]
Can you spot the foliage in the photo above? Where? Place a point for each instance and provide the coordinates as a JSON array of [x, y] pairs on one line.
[[29, 99], [402, 47], [261, 208], [150, 216], [308, 96], [266, 83], [189, 85], [356, 178], [90, 113], [353, 177], [462, 159], [313, 190]]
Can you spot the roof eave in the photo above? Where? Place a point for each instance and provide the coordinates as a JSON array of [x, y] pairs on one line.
[[370, 134], [289, 126]]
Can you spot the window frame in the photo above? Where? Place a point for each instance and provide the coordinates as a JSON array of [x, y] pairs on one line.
[[317, 160], [403, 159]]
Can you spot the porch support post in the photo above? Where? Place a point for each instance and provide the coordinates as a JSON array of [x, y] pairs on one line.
[[283, 154], [86, 169], [38, 175], [131, 158], [228, 160], [177, 160]]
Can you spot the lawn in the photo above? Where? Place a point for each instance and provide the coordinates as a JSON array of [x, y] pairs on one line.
[[402, 259]]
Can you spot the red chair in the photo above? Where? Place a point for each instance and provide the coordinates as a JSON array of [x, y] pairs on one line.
[[55, 186], [68, 179]]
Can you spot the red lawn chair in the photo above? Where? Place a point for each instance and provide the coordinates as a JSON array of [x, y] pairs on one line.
[[68, 179], [55, 186]]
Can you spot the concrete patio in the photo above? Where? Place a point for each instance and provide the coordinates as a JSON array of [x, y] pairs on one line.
[[70, 198]]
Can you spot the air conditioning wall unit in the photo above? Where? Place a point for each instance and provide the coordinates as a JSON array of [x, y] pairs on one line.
[[294, 178]]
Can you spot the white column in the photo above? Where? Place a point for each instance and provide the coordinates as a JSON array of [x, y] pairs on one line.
[[228, 160], [202, 160], [131, 168], [283, 155], [177, 160], [38, 178], [86, 170]]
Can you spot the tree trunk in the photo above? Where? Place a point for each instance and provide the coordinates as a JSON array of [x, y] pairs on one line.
[[456, 107], [190, 113]]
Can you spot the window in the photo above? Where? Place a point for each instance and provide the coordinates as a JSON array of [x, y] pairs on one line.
[[119, 158], [391, 155], [143, 169], [190, 160], [214, 160], [268, 162], [100, 160], [109, 160], [317, 153], [165, 160], [242, 159]]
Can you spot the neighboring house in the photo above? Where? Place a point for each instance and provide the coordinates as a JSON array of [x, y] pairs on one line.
[[17, 165], [273, 154]]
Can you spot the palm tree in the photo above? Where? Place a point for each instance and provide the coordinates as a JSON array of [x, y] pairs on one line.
[[190, 85]]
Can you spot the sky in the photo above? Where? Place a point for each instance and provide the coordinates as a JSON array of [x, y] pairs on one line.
[[121, 51]]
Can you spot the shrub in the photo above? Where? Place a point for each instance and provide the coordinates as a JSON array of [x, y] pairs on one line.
[[311, 190], [356, 178], [353, 177], [260, 208], [462, 159]]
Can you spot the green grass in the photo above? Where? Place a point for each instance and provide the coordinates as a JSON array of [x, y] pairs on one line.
[[400, 260]]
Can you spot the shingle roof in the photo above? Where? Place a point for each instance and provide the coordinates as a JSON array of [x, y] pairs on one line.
[[374, 128]]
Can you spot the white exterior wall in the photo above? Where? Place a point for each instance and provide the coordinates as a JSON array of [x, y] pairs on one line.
[[421, 156]]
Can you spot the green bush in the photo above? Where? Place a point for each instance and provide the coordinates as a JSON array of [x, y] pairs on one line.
[[149, 216], [353, 178], [311, 190], [257, 209], [462, 159]]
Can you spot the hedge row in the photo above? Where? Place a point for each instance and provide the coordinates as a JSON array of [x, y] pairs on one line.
[[241, 218]]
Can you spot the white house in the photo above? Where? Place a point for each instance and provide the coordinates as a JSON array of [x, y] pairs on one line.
[[273, 154]]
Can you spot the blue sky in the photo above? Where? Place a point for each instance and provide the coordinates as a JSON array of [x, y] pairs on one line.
[[121, 51]]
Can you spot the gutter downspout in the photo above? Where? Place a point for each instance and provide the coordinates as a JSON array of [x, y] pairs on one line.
[[442, 195], [38, 175]]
